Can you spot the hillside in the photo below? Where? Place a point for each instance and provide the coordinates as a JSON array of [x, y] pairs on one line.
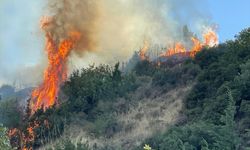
[[196, 103], [134, 118]]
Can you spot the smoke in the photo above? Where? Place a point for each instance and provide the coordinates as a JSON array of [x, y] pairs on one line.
[[74, 16], [113, 29]]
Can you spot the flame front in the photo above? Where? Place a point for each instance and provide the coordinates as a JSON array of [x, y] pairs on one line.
[[45, 95], [178, 48], [210, 39]]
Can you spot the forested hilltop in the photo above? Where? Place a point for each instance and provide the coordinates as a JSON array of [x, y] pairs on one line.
[[200, 103]]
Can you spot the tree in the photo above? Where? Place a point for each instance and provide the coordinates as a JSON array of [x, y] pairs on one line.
[[204, 144], [116, 74], [228, 118]]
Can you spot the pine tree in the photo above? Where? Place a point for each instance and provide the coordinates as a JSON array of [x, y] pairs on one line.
[[228, 118]]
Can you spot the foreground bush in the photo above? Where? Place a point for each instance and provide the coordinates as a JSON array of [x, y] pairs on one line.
[[4, 139]]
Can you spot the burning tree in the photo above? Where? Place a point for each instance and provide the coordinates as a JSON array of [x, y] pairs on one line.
[[45, 95]]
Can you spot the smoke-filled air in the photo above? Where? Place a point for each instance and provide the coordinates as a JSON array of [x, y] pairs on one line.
[[113, 29]]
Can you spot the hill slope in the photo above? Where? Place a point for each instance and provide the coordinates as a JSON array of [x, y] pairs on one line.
[[197, 103], [152, 110]]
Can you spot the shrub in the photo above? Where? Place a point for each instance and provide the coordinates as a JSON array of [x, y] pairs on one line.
[[4, 139], [10, 113], [86, 87], [195, 136]]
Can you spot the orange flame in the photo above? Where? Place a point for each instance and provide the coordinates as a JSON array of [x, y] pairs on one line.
[[143, 51], [197, 46], [45, 95], [210, 40], [178, 48], [27, 138]]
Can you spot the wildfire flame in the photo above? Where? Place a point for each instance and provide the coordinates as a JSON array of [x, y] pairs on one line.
[[27, 137], [197, 46], [178, 48], [45, 95], [143, 51], [210, 39]]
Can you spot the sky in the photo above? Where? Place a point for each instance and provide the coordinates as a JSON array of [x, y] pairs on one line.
[[21, 41], [231, 16]]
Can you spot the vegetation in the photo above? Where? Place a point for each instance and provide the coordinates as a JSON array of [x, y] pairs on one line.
[[86, 87], [90, 92], [68, 145], [217, 110], [10, 113], [168, 75], [4, 139], [218, 105]]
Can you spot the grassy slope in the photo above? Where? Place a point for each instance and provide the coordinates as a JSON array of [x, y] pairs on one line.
[[151, 110]]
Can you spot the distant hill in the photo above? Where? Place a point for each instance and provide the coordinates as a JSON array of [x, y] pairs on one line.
[[8, 92]]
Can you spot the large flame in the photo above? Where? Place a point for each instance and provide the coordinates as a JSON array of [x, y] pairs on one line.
[[45, 95]]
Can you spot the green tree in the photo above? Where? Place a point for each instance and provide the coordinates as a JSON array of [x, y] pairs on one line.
[[228, 118], [204, 144]]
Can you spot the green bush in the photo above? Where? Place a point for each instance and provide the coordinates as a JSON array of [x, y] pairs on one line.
[[180, 74], [195, 136], [10, 113], [144, 68], [4, 139], [86, 87]]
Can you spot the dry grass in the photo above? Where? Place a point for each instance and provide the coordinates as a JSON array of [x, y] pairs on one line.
[[154, 112]]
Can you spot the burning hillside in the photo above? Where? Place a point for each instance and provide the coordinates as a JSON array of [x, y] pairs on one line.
[[123, 75], [75, 27]]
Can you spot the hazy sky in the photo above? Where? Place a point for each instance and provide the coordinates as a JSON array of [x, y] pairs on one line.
[[21, 41]]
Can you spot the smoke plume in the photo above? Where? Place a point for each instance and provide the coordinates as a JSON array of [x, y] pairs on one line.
[[113, 29]]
